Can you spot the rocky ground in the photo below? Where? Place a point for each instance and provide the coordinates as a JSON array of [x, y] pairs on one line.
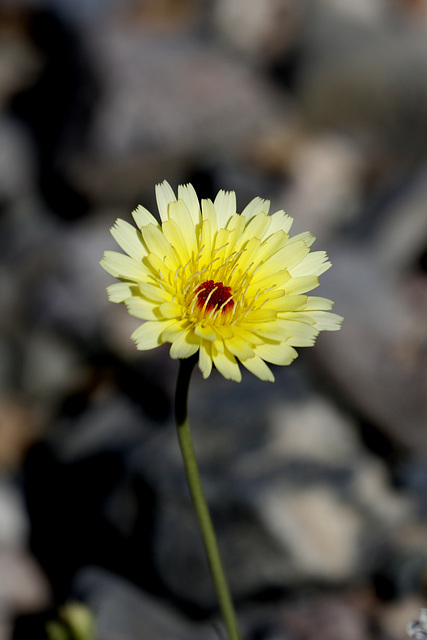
[[317, 483]]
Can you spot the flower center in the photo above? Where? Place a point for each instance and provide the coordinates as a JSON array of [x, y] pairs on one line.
[[214, 295]]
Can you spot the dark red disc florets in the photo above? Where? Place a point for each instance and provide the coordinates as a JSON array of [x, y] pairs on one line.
[[217, 293]]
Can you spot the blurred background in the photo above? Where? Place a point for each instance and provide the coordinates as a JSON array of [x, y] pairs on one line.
[[318, 483]]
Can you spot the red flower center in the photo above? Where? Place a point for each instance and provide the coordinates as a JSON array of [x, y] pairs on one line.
[[213, 295]]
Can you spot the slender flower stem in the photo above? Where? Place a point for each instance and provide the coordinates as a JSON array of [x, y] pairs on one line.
[[199, 501]]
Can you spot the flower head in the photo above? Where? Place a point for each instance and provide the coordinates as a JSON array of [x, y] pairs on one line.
[[230, 286]]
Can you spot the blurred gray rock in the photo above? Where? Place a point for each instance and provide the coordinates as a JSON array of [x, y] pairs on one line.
[[379, 352], [166, 103], [124, 612], [302, 506], [368, 80]]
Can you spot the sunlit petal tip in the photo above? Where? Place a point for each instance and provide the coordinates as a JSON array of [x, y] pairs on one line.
[[143, 217], [255, 206], [164, 196]]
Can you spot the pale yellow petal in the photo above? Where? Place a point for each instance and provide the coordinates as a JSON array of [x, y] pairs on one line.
[[119, 291], [143, 309], [286, 258], [257, 205], [175, 329], [258, 367], [154, 292], [225, 207], [179, 212], [164, 196], [301, 285], [248, 256], [289, 256], [306, 237], [301, 334], [316, 303], [280, 221], [157, 243], [280, 354], [224, 331], [258, 316], [205, 332], [142, 217], [176, 239], [285, 303], [187, 193], [222, 249], [122, 266], [240, 347], [129, 239], [184, 346], [277, 330], [248, 334], [315, 262], [323, 320], [226, 364], [255, 230], [235, 226], [209, 214], [170, 310], [147, 336], [205, 359], [270, 280], [271, 245]]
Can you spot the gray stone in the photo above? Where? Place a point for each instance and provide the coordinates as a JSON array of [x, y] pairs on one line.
[[124, 612]]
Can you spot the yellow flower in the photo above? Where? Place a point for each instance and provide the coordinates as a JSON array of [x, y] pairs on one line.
[[231, 286]]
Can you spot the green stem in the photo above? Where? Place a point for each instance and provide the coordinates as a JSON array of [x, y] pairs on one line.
[[199, 501]]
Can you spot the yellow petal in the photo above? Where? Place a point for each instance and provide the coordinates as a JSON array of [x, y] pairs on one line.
[[248, 256], [142, 217], [205, 359], [315, 262], [179, 213], [184, 346], [256, 206], [306, 237], [154, 292], [258, 367], [147, 336], [289, 256], [175, 329], [164, 196], [119, 291], [209, 213], [316, 303], [225, 207], [122, 266], [176, 239], [273, 243], [323, 320], [286, 303], [128, 238], [170, 310], [187, 193], [142, 309], [280, 221], [226, 364], [157, 243], [301, 285], [240, 347], [205, 332], [301, 334], [280, 354]]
